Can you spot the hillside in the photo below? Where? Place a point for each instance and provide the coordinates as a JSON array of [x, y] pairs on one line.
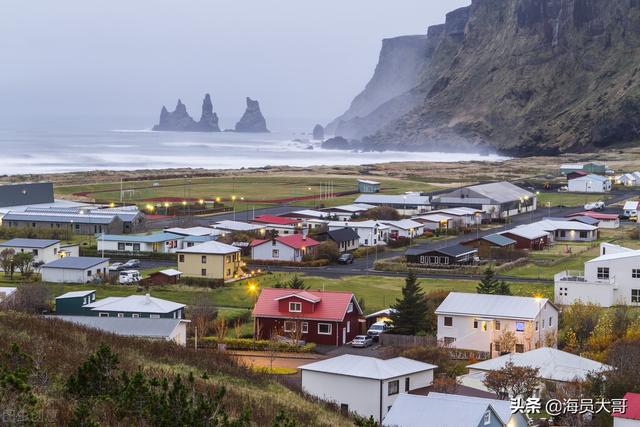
[[518, 76], [55, 352]]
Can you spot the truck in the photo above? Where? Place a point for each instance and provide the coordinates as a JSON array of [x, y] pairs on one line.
[[594, 206]]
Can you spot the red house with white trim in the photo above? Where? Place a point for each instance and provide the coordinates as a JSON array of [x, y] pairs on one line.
[[631, 416], [329, 318], [283, 248]]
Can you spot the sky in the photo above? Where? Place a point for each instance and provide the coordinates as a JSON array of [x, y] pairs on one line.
[[301, 59]]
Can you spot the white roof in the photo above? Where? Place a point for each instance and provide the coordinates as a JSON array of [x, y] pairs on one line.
[[170, 272], [527, 232], [556, 224], [191, 231], [434, 217], [554, 364], [368, 367], [135, 304], [354, 207], [308, 212], [55, 204], [367, 181], [410, 410], [127, 326], [356, 224], [405, 224], [395, 199], [572, 166], [592, 177], [501, 407], [461, 211], [212, 247], [75, 294], [629, 253], [236, 226], [491, 306], [630, 205]]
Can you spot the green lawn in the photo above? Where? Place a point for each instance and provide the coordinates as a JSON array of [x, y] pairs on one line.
[[568, 199]]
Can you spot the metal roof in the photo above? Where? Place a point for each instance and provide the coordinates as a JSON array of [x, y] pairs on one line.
[[125, 214], [190, 231], [491, 306], [211, 247], [354, 207], [236, 226], [395, 199], [404, 224], [37, 216], [343, 234], [29, 243], [367, 181], [75, 294], [501, 192], [26, 194], [453, 250], [435, 218], [368, 367], [138, 238], [498, 240], [76, 263], [134, 304], [126, 326], [527, 232]]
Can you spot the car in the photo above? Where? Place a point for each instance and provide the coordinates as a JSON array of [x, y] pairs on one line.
[[378, 328], [126, 277], [345, 259], [116, 266], [362, 341], [633, 218], [132, 263]]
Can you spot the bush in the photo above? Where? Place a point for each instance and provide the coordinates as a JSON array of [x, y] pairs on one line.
[[202, 282], [257, 345], [370, 250], [399, 242], [7, 233], [327, 250], [266, 262]]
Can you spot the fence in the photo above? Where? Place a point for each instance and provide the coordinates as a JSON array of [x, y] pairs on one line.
[[406, 340]]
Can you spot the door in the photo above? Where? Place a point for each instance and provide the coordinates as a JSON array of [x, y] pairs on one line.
[[344, 335]]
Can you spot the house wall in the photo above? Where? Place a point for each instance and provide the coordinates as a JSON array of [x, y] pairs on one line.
[[524, 243], [43, 254], [73, 306], [367, 236], [176, 314], [115, 227], [574, 236], [425, 259], [179, 334], [399, 232], [169, 246], [568, 292], [349, 245], [284, 253], [584, 185], [67, 275], [610, 224], [416, 380], [217, 266]]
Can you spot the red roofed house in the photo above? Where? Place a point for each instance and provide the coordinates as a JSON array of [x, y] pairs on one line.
[[279, 224], [330, 318], [606, 220], [631, 416], [283, 248]]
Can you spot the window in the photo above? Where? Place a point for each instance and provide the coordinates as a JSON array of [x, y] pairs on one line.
[[497, 325], [35, 252], [275, 253], [103, 314], [393, 387], [583, 235], [550, 321], [487, 418], [305, 327], [344, 408], [635, 295], [635, 273], [407, 383], [135, 315], [483, 325], [121, 246], [181, 258], [448, 321], [350, 308], [475, 324], [295, 307], [603, 273], [120, 314], [519, 348], [542, 323], [89, 273], [496, 346], [449, 340], [348, 327], [203, 272], [289, 326], [136, 247], [324, 328], [203, 259], [154, 316], [519, 326], [537, 325]]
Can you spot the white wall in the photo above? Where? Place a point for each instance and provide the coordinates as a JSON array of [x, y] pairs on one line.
[[265, 251], [163, 247], [64, 275], [623, 422], [417, 380], [584, 185], [44, 255]]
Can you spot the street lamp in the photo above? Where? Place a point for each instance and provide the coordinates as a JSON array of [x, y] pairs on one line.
[[233, 200], [253, 289]]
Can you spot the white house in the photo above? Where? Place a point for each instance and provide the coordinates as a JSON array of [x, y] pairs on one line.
[[161, 242], [372, 233], [630, 208], [448, 410], [590, 184], [553, 365], [406, 228], [191, 231], [460, 217], [43, 250], [365, 385], [477, 322], [346, 212], [628, 180], [435, 221], [229, 226], [405, 204], [610, 279], [563, 230], [283, 248], [75, 270], [631, 416]]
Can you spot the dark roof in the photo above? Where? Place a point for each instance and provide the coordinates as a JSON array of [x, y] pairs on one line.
[[453, 250], [583, 219], [76, 263], [498, 240], [29, 243], [343, 235], [26, 194]]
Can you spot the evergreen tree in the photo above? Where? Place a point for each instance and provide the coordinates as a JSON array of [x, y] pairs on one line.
[[410, 316], [297, 283], [491, 285], [96, 376]]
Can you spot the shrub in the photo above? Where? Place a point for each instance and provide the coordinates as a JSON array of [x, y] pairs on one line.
[[315, 263], [7, 233], [399, 242], [368, 250], [257, 345], [327, 250], [202, 282]]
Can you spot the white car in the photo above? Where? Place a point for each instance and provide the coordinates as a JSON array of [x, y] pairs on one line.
[[378, 328], [127, 277], [362, 341], [594, 206]]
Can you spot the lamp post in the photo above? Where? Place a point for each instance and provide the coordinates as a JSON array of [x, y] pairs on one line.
[[252, 287], [233, 204]]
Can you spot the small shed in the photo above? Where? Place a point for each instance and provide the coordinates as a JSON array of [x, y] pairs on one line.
[[367, 186], [442, 257], [486, 244], [169, 276]]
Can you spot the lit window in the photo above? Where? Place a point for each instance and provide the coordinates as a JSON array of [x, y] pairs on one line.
[[295, 307], [519, 326], [154, 316]]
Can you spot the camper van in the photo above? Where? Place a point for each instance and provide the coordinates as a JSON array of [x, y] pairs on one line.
[[128, 276]]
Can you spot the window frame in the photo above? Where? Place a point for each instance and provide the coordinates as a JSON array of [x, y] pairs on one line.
[[295, 303], [393, 387], [518, 329], [603, 273], [635, 298], [289, 323], [329, 329], [444, 321]]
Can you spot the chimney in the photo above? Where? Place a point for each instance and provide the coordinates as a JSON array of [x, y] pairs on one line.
[[147, 299]]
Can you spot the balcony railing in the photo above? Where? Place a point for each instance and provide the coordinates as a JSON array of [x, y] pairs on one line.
[[578, 276]]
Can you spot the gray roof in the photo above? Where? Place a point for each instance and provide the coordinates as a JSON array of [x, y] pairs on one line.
[[124, 214], [42, 216], [140, 238], [584, 219], [496, 192], [76, 262], [396, 199], [368, 367], [498, 240], [29, 243], [26, 194], [127, 326], [343, 235]]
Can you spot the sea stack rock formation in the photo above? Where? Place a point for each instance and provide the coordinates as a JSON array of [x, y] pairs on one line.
[[180, 121], [252, 120], [318, 132]]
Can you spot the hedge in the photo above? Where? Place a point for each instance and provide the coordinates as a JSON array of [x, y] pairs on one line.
[[315, 263], [255, 345], [138, 255]]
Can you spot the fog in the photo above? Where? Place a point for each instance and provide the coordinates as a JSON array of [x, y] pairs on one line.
[[303, 60]]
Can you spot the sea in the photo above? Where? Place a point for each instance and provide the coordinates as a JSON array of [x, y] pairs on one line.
[[68, 145]]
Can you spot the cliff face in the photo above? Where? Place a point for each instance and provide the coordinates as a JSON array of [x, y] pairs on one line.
[[523, 77], [252, 120], [179, 120]]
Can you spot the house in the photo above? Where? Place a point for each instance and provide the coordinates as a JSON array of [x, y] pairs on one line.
[[279, 224], [368, 186], [488, 246], [567, 231], [591, 167], [74, 222], [306, 214], [82, 269], [590, 184], [404, 228], [604, 220], [405, 204], [630, 208], [346, 238], [365, 385], [454, 255], [610, 279], [461, 217], [530, 238], [329, 318], [169, 276], [347, 212], [161, 242], [211, 260], [6, 294], [155, 329], [43, 250], [576, 174], [372, 233], [293, 248], [447, 410], [228, 226], [198, 231], [477, 322], [435, 221], [497, 199], [84, 303], [584, 219], [628, 180], [554, 365], [631, 416]]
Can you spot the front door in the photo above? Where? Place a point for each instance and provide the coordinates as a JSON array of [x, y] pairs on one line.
[[344, 335]]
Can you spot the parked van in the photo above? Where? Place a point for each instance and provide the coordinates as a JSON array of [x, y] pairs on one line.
[[378, 328], [129, 276]]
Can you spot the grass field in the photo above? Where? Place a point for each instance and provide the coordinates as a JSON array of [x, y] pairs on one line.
[[568, 199]]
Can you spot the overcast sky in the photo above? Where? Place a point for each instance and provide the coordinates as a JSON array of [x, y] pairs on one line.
[[299, 58]]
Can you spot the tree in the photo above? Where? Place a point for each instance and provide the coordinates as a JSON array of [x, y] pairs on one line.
[[434, 299], [31, 298], [327, 250], [7, 261], [96, 376], [410, 315], [512, 381], [443, 383], [297, 283], [507, 341], [24, 262], [491, 285], [380, 213]]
